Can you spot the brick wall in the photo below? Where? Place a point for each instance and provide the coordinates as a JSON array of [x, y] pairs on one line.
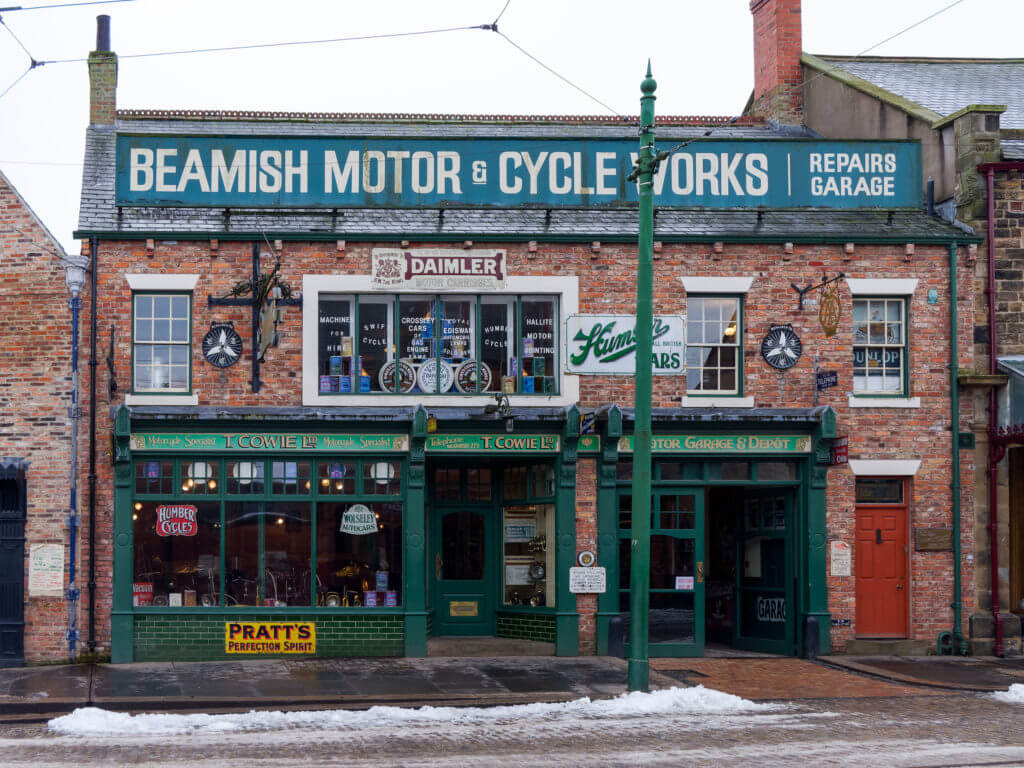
[[35, 394], [606, 286], [200, 637], [586, 538]]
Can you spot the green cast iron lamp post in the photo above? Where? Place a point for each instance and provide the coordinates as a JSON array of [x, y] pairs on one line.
[[640, 547]]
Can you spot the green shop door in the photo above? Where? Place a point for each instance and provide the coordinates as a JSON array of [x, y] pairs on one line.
[[676, 618], [764, 567], [462, 536]]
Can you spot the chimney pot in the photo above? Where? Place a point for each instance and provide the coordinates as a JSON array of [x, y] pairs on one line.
[[103, 33]]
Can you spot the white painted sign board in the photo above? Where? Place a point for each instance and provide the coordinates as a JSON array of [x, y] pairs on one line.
[[840, 558], [46, 570], [587, 581]]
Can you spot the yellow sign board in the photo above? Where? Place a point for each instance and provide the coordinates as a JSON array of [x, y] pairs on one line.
[[464, 608], [269, 637]]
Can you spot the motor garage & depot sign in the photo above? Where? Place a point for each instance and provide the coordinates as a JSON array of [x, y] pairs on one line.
[[176, 520], [438, 269]]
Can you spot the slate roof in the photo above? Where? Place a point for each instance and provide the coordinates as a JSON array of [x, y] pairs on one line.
[[1013, 149], [947, 85], [98, 212]]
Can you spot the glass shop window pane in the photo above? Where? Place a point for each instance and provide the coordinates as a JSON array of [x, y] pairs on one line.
[[458, 333], [447, 486], [879, 490], [154, 477], [382, 478], [415, 329], [515, 483], [335, 345], [245, 477], [625, 511], [776, 470], [290, 478], [624, 469], [528, 535], [376, 316], [729, 470], [242, 562], [200, 477], [543, 479], [679, 470], [359, 564], [540, 343], [671, 617], [478, 484], [286, 552], [337, 478], [177, 554], [497, 349], [675, 512]]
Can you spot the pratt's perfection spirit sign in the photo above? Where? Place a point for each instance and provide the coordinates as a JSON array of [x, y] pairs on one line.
[[269, 637], [723, 444], [514, 443], [438, 269], [261, 441], [606, 344], [345, 171]]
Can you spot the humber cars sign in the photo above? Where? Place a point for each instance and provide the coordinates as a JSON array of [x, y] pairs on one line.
[[606, 344], [416, 172]]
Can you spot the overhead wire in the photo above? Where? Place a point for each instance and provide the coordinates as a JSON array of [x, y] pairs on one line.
[[62, 5]]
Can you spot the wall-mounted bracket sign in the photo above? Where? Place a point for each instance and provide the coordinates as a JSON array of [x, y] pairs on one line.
[[265, 442], [722, 444], [417, 172], [606, 344], [508, 444], [433, 269]]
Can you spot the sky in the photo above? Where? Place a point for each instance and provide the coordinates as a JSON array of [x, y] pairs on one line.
[[701, 54]]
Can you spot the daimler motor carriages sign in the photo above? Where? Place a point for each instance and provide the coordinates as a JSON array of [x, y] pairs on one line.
[[416, 172], [438, 269], [605, 344]]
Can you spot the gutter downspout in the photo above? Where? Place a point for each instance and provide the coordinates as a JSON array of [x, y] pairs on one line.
[[995, 453], [959, 646], [75, 304], [93, 364]]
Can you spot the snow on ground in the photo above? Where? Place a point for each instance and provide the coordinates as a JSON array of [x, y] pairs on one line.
[[92, 721], [1013, 695]]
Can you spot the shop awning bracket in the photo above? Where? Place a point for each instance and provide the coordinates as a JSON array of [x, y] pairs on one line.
[[825, 280]]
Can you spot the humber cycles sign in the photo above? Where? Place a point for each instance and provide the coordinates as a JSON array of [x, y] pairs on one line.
[[261, 441], [605, 344], [494, 443], [344, 171], [723, 444]]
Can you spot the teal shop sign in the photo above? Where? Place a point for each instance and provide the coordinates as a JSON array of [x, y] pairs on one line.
[[722, 444], [307, 172], [264, 442]]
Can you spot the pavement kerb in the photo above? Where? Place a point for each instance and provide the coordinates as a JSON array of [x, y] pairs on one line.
[[896, 677]]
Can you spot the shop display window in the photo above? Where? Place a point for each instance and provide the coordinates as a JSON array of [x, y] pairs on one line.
[[438, 344], [177, 553], [359, 554], [879, 346], [268, 557], [528, 537], [515, 482], [777, 471]]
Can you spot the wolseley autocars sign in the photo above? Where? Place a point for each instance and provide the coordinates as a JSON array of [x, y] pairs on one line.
[[419, 172], [606, 344]]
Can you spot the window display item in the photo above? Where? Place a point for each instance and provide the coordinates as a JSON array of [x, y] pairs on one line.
[[174, 599]]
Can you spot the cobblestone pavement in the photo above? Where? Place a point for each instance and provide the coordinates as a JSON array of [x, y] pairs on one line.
[[899, 731]]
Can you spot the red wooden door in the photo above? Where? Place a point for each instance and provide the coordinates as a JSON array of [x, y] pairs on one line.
[[881, 567]]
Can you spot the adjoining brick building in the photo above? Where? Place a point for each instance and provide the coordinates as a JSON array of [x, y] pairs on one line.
[[35, 436], [427, 424], [968, 115]]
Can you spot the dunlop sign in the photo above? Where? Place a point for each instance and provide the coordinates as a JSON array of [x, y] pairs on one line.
[[418, 172], [606, 344], [269, 637]]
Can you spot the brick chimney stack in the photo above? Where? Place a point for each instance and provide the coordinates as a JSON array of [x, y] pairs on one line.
[[102, 77], [778, 76]]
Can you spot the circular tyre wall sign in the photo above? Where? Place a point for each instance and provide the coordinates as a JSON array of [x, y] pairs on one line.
[[434, 379], [406, 376], [781, 348], [466, 376]]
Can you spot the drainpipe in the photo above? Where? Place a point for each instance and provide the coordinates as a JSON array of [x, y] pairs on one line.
[[74, 276], [995, 453], [959, 646], [93, 364]]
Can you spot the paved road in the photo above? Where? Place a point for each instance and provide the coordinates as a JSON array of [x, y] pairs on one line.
[[903, 732]]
